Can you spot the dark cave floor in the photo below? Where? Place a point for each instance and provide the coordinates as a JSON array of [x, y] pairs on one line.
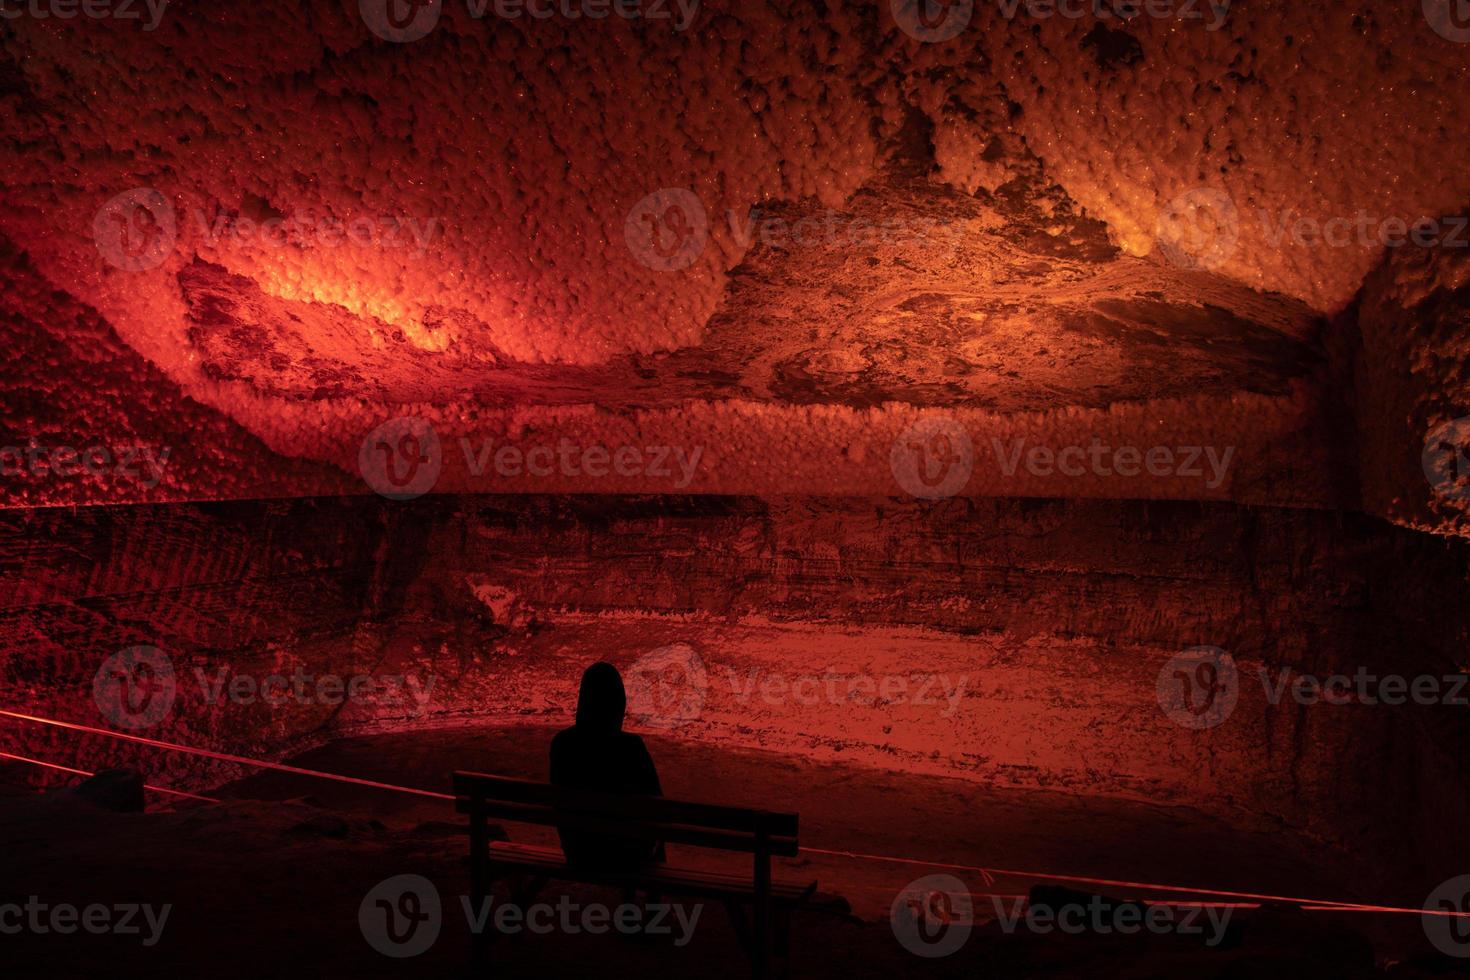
[[269, 882]]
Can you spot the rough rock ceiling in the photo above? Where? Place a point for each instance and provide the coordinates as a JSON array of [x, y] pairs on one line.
[[950, 301], [319, 228]]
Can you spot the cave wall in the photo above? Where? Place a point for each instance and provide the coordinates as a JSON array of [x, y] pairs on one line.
[[1409, 364], [88, 420], [258, 132], [1022, 640]]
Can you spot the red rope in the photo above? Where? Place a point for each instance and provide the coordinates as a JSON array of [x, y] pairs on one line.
[[988, 874], [83, 772], [226, 757], [1307, 904]]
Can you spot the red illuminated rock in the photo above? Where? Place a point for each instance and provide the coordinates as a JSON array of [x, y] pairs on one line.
[[440, 216]]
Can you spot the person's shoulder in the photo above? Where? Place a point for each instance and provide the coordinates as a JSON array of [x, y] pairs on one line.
[[564, 737], [630, 742]]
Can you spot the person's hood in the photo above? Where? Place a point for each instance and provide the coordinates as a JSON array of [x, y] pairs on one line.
[[602, 701]]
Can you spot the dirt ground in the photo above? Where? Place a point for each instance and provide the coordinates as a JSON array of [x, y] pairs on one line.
[[271, 881]]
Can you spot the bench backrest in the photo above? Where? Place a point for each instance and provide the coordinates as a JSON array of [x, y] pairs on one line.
[[674, 821]]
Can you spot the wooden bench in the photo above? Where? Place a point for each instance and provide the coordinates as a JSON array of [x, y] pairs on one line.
[[758, 833]]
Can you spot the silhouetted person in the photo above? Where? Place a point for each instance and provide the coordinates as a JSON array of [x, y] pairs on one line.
[[596, 754]]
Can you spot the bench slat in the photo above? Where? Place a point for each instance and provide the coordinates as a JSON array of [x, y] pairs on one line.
[[671, 833], [550, 862], [555, 801]]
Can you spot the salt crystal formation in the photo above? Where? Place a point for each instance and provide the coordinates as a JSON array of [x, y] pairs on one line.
[[502, 193]]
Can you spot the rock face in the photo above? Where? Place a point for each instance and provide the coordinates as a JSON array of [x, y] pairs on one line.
[[393, 246], [1019, 643], [1412, 389], [1044, 358], [119, 790], [261, 262]]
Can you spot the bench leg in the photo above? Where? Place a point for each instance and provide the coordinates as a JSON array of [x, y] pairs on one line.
[[761, 955], [742, 928], [480, 942], [479, 888]]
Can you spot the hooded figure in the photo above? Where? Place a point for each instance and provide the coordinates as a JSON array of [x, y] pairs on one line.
[[596, 754]]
